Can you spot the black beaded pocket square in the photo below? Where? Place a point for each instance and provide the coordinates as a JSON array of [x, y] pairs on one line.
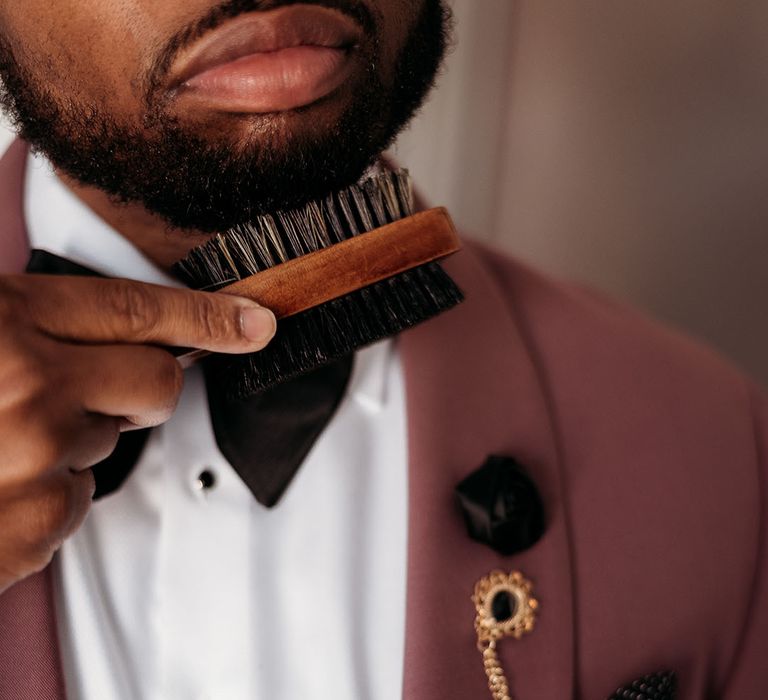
[[657, 686]]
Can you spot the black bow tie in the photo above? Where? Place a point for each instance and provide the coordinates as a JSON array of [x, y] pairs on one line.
[[265, 437]]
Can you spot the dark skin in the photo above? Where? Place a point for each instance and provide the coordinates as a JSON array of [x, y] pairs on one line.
[[79, 360]]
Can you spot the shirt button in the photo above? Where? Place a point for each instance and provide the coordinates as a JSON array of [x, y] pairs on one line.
[[206, 480]]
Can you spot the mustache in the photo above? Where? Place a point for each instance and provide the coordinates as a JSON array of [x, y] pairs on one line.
[[229, 9]]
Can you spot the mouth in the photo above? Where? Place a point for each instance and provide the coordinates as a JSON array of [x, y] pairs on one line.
[[265, 62]]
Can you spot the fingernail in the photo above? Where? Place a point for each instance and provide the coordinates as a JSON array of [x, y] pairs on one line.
[[258, 324]]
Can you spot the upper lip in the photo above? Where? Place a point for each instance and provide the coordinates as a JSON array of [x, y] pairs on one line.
[[259, 32]]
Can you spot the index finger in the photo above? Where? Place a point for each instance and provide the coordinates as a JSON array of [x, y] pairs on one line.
[[93, 310]]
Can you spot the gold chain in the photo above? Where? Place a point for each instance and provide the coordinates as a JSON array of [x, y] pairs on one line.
[[518, 613], [497, 681]]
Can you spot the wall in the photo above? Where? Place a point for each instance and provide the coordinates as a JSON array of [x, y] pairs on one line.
[[631, 151]]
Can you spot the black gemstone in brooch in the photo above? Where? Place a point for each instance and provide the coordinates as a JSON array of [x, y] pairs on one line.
[[501, 506]]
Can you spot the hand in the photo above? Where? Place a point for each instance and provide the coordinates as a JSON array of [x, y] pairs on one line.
[[79, 362]]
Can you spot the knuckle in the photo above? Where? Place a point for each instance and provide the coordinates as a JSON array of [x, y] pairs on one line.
[[81, 487], [161, 396], [137, 309], [43, 560], [24, 376], [47, 520], [109, 436], [30, 560], [25, 462], [44, 456], [38, 519], [214, 322], [99, 439], [63, 507], [13, 569], [169, 381], [33, 444]]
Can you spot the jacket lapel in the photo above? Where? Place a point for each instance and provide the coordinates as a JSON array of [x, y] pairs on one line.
[[472, 390], [30, 666]]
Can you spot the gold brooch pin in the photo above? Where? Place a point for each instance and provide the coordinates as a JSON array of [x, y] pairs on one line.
[[505, 608]]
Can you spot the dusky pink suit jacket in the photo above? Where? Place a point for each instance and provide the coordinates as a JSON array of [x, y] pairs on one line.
[[650, 455]]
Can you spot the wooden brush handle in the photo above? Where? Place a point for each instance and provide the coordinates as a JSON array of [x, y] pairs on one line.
[[330, 273]]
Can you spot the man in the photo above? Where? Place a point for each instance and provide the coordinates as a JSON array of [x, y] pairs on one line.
[[157, 123]]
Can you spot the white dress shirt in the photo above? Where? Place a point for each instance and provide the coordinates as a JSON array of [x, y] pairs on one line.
[[175, 591]]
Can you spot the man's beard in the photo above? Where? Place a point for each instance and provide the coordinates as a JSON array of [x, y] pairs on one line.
[[194, 182]]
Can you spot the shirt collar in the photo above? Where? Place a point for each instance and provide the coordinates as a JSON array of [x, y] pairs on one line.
[[57, 221], [370, 377]]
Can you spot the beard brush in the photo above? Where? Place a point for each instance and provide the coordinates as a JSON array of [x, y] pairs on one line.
[[339, 274]]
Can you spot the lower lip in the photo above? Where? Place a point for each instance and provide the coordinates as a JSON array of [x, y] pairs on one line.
[[274, 81]]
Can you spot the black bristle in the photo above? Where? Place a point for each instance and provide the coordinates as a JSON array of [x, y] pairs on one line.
[[336, 328]]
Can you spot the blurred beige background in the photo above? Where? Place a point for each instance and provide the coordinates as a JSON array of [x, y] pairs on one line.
[[620, 144], [624, 144]]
